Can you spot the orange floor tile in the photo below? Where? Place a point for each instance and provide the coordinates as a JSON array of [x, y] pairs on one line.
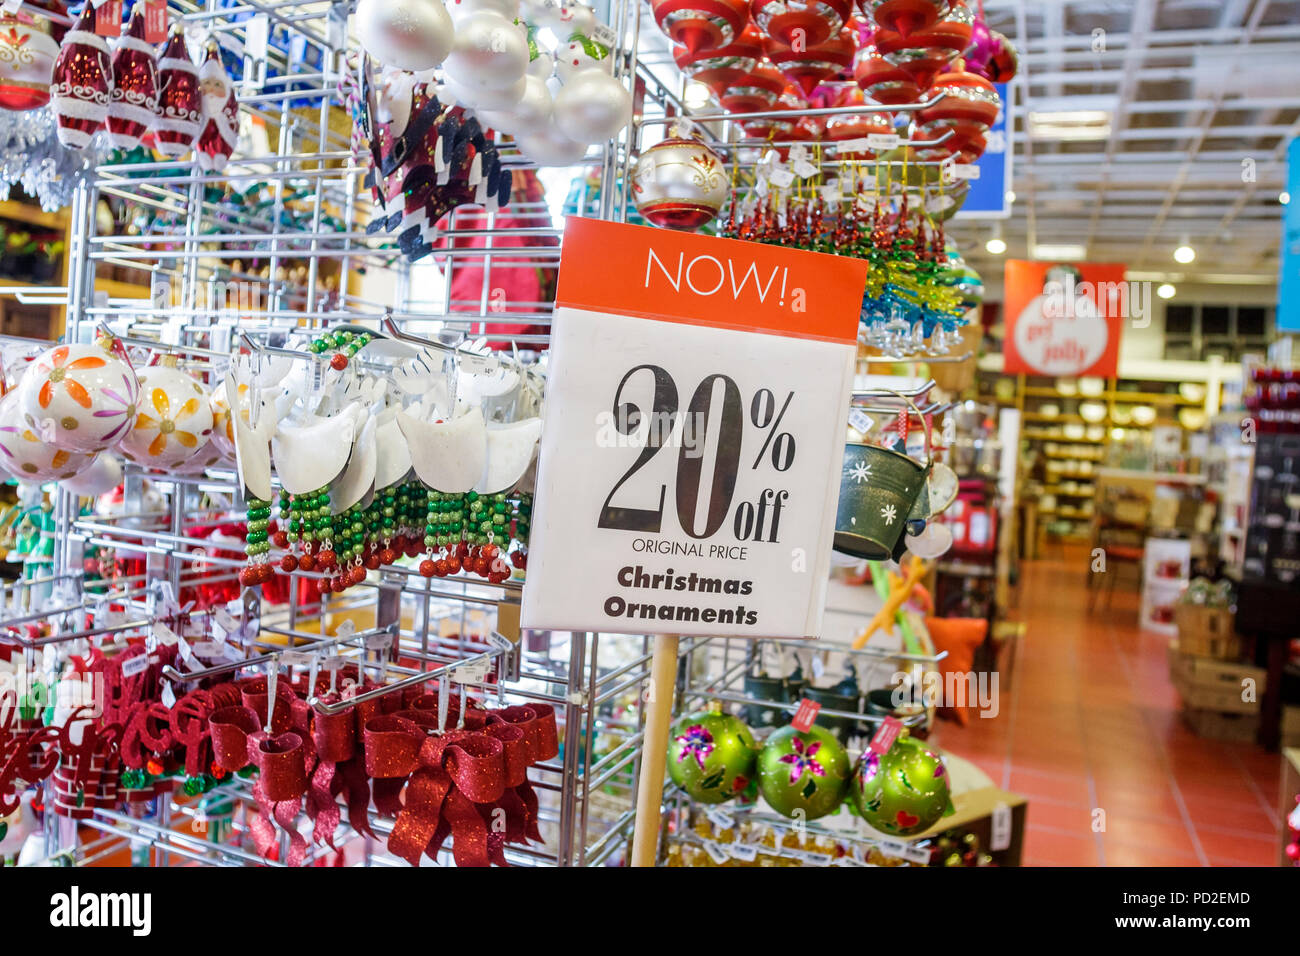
[[1090, 733]]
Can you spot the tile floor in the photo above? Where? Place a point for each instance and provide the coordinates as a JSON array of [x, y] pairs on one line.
[[1091, 724]]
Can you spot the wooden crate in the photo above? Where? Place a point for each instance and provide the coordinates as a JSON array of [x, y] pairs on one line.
[[1215, 725], [1206, 684], [1207, 632]]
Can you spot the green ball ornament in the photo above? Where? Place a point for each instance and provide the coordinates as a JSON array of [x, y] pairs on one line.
[[902, 792], [711, 756], [803, 772]]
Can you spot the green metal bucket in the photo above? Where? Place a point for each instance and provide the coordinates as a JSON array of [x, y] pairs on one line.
[[878, 490]]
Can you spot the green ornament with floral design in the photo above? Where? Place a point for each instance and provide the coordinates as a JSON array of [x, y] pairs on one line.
[[711, 756], [903, 791], [803, 774]]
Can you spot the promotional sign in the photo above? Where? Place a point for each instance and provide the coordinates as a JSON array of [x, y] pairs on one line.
[[987, 196], [1066, 319], [1288, 293], [695, 416]]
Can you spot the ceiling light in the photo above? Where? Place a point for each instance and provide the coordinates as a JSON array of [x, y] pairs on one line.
[[1070, 125], [1185, 254], [1011, 196], [1166, 291], [996, 246], [696, 95], [1060, 252], [1284, 198]]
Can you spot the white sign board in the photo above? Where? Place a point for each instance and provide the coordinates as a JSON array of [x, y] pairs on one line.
[[694, 431]]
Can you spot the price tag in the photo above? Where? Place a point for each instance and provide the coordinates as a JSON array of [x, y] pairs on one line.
[[11, 6], [849, 147], [296, 658], [155, 21], [168, 696], [474, 673], [805, 714], [850, 861], [697, 388], [816, 859], [108, 18], [744, 852], [256, 37], [135, 665], [886, 734], [781, 178], [880, 142], [164, 635], [720, 818], [965, 171], [605, 36], [186, 651], [1000, 828], [860, 421], [715, 852]]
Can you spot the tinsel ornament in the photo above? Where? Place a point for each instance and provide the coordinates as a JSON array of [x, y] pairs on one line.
[[711, 756], [803, 773], [220, 113], [30, 155], [811, 65], [701, 24], [134, 102], [801, 23], [82, 83], [179, 100], [27, 55]]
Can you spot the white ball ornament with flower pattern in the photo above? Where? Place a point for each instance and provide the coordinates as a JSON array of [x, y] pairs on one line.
[[80, 398], [175, 419], [26, 456]]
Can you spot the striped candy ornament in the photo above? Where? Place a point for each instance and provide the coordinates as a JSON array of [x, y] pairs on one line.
[[220, 113], [82, 84], [179, 100], [134, 100]]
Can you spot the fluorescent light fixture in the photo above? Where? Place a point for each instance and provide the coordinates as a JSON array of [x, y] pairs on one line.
[[1185, 254], [1060, 252], [1166, 291], [996, 246], [1070, 125], [696, 95]]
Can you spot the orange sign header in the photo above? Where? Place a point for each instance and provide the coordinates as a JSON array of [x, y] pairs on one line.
[[699, 280]]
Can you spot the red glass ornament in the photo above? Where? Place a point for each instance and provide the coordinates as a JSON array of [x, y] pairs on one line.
[[968, 107], [719, 68], [280, 539], [756, 91], [339, 362], [179, 100], [357, 574], [249, 577], [926, 53], [307, 563], [82, 82], [906, 16], [134, 101], [1005, 61], [373, 561], [453, 565], [153, 766], [387, 556], [816, 63], [322, 586], [325, 560], [288, 564], [440, 567], [801, 23], [220, 113], [884, 82], [413, 548], [28, 53], [427, 568], [701, 24]]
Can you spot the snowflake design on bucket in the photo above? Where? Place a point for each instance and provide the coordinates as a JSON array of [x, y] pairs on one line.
[[889, 513], [696, 742], [802, 760], [861, 472]]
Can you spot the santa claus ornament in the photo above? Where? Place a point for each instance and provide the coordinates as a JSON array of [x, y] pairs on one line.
[[179, 100], [27, 54], [82, 83], [220, 113], [134, 100]]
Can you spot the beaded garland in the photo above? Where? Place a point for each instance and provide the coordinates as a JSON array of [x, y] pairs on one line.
[[456, 532]]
